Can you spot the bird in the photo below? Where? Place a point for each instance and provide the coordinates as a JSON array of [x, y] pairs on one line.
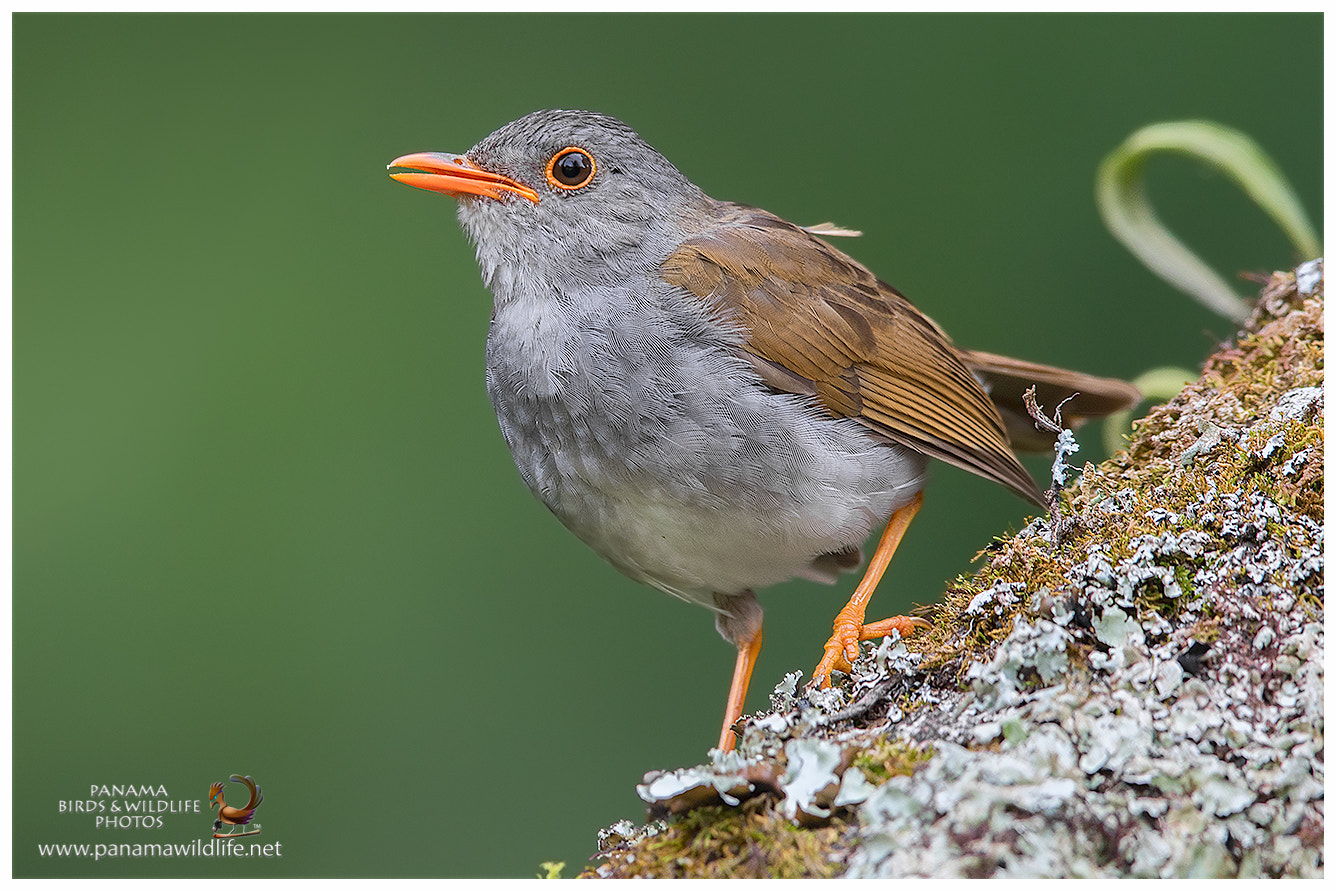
[[234, 816], [712, 398]]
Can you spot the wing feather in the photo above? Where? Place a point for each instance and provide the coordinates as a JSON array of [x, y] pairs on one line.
[[816, 321]]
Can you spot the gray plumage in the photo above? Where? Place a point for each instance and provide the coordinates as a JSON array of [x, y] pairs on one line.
[[625, 402], [712, 398]]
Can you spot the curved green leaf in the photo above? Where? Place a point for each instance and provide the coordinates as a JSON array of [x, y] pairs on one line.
[[1121, 195]]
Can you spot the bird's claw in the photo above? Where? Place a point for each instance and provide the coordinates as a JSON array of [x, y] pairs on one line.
[[834, 660], [842, 648], [841, 653]]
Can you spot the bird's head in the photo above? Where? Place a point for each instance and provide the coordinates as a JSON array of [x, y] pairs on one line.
[[565, 196], [215, 795]]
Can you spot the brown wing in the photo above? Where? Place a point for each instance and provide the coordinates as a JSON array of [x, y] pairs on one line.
[[818, 322]]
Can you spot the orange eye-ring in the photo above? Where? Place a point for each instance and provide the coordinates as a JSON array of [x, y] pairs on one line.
[[571, 168]]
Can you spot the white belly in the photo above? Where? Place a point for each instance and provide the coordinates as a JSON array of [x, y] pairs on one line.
[[693, 551]]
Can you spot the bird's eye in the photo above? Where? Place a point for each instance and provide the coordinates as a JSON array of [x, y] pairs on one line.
[[571, 168]]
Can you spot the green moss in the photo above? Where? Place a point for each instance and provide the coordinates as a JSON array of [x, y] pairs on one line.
[[752, 841], [1205, 444], [1312, 604], [1183, 574], [1280, 351], [1206, 630], [891, 758]]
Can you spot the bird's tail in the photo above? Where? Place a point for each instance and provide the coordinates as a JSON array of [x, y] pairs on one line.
[[255, 796], [1007, 379]]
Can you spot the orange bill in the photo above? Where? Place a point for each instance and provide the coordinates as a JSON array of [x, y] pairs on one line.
[[456, 176]]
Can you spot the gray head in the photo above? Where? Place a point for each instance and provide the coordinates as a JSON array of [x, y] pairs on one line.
[[562, 195]]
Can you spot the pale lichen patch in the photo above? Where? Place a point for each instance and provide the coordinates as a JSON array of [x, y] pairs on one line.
[[1144, 700]]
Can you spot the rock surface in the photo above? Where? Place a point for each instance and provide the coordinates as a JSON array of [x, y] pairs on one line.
[[1142, 698]]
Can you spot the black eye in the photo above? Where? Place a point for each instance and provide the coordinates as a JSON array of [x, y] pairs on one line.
[[571, 168]]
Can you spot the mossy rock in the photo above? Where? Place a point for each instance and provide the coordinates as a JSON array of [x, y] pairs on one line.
[[1131, 686]]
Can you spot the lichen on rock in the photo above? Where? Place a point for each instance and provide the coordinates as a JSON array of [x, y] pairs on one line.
[[1142, 700]]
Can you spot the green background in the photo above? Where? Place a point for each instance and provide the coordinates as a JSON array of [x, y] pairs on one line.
[[264, 521]]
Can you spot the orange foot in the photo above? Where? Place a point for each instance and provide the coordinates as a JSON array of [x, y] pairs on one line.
[[842, 648]]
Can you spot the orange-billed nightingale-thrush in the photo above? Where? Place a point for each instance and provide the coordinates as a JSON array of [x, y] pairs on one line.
[[712, 398]]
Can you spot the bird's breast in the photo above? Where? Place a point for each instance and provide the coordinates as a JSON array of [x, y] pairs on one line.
[[642, 429]]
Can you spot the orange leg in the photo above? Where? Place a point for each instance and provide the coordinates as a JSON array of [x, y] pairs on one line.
[[842, 648], [737, 693]]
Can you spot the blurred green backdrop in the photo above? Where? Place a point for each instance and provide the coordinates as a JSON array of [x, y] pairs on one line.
[[264, 521]]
